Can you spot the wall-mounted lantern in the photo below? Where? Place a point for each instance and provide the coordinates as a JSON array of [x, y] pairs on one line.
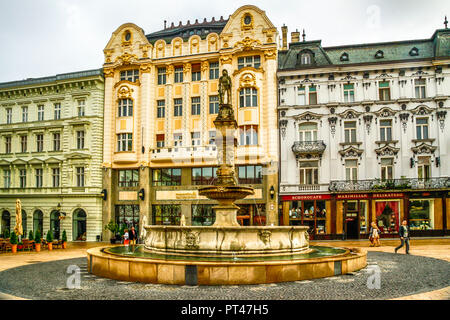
[[141, 194], [104, 193], [272, 192]]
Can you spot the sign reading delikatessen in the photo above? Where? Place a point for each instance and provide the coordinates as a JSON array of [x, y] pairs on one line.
[[192, 195]]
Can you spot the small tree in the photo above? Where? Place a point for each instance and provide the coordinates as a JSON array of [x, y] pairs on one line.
[[6, 234], [30, 235], [37, 236], [49, 237], [64, 236], [13, 239], [112, 226]]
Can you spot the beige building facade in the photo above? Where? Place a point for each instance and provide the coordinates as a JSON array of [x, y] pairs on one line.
[[161, 97]]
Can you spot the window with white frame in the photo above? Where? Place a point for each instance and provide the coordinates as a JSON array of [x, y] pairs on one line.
[[350, 131], [419, 88], [80, 139], [57, 111], [178, 139], [309, 172], [312, 94], [212, 137], [22, 178], [424, 167], [55, 177], [24, 114], [160, 140], [81, 108], [178, 107], [248, 97], [349, 92], [56, 141], [40, 113], [161, 109], [178, 74], [421, 128], [305, 58], [301, 97], [23, 143], [38, 176], [7, 144], [351, 170], [387, 169], [80, 176], [195, 138], [39, 142], [196, 72], [195, 106], [129, 75], [6, 178], [213, 104], [161, 76], [9, 115], [307, 132], [384, 91], [214, 70], [248, 135], [125, 108], [386, 130], [125, 142], [250, 61]]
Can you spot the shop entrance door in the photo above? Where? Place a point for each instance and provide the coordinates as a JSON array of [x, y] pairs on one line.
[[352, 220]]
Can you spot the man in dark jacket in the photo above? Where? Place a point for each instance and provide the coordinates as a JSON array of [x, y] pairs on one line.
[[133, 235], [404, 236]]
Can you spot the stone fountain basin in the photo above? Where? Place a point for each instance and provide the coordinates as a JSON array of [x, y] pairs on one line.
[[227, 240], [226, 192]]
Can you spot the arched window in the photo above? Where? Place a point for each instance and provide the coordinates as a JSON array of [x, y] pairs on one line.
[[379, 54], [248, 97], [307, 131], [79, 225], [6, 221], [125, 108], [24, 224], [305, 58], [55, 224], [38, 220]]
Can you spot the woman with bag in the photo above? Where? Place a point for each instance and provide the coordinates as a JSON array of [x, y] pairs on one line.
[[374, 235]]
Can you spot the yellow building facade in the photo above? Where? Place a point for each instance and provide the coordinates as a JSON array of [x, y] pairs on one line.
[[161, 97]]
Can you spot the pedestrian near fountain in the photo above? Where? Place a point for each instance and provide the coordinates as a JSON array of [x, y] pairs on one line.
[[374, 235], [133, 236], [126, 240], [404, 236]]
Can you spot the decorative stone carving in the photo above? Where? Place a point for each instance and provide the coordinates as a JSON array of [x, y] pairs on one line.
[[383, 76], [192, 239], [264, 235], [351, 152], [247, 44], [419, 73], [124, 92], [422, 110], [308, 116], [404, 120], [423, 148], [441, 118], [350, 114], [227, 59], [186, 68], [385, 113], [367, 121], [332, 121], [306, 149], [127, 58], [247, 80], [270, 54], [387, 151], [348, 78], [108, 53], [108, 73], [283, 124], [204, 66], [145, 67]]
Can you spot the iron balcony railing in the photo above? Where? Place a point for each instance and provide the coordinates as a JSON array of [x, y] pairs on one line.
[[390, 184], [302, 147]]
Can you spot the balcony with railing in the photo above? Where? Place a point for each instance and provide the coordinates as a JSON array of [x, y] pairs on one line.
[[289, 188], [200, 153], [309, 147], [390, 184]]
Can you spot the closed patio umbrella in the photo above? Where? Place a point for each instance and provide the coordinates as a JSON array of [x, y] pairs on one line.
[[18, 229]]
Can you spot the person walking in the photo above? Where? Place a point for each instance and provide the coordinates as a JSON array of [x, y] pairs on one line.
[[404, 236], [126, 240], [133, 236], [374, 235]]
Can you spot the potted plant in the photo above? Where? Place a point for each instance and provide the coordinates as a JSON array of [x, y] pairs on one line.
[[13, 241], [49, 239], [6, 234], [113, 227], [37, 241], [64, 239], [30, 236]]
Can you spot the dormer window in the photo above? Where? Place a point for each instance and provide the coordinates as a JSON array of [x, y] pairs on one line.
[[379, 54], [344, 56], [414, 52], [305, 58]]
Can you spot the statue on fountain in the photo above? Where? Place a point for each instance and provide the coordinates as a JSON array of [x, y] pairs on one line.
[[225, 109]]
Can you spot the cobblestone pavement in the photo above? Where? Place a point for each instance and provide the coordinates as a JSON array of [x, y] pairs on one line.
[[400, 275]]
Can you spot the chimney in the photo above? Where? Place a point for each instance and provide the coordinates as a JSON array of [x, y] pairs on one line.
[[284, 31], [295, 36]]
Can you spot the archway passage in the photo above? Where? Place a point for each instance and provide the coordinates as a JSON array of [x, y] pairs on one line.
[[24, 224], [55, 224], [79, 225], [6, 221], [38, 221]]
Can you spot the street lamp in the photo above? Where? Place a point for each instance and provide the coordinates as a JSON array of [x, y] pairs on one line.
[[272, 192]]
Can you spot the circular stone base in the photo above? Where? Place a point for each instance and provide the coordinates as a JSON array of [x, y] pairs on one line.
[[228, 272]]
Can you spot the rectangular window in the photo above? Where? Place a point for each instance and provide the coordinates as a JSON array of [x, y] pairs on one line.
[[312, 95], [349, 92], [55, 177], [125, 108], [8, 115], [212, 137], [204, 176], [213, 70], [169, 214], [178, 107], [128, 215], [419, 86], [351, 170], [387, 169], [80, 139], [81, 108], [250, 174], [24, 114], [160, 140], [250, 61], [424, 168], [195, 106], [309, 172], [40, 113], [80, 176], [23, 178], [301, 100], [248, 135], [384, 91], [7, 144], [23, 143], [307, 132], [386, 130], [196, 72], [125, 142], [129, 75], [195, 138], [213, 104], [39, 142], [167, 177], [161, 76], [350, 131], [6, 178], [248, 97], [422, 128], [38, 175], [178, 74], [203, 215], [178, 139], [56, 141], [57, 111], [421, 214], [129, 178], [161, 109]]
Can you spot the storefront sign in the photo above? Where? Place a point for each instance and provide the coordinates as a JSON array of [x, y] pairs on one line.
[[127, 195], [306, 197], [352, 196], [387, 195], [192, 195]]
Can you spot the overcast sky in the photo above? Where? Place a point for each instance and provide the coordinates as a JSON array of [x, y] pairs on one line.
[[46, 37]]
